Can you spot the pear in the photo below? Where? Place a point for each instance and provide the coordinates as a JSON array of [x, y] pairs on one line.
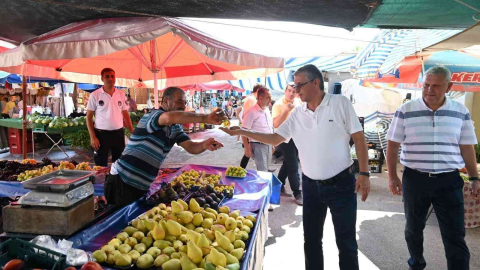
[[161, 244], [183, 249], [231, 259], [177, 244], [217, 258], [157, 218], [248, 223], [221, 250], [190, 226], [130, 230], [170, 238], [143, 217], [156, 210], [141, 226], [174, 228], [122, 236], [223, 241], [160, 260], [221, 268], [199, 230], [176, 207], [123, 260], [131, 241], [194, 206], [209, 215], [193, 236], [221, 218], [145, 261], [187, 264], [168, 209], [154, 251], [194, 253], [168, 250], [111, 257], [239, 224], [164, 225], [183, 238], [203, 263], [233, 266], [210, 210], [150, 223], [176, 255], [162, 206], [246, 229], [231, 236], [135, 223], [197, 219], [148, 241], [203, 244], [100, 256], [238, 253], [210, 266], [140, 247], [220, 228], [209, 234], [240, 218], [238, 236], [172, 216], [184, 204], [224, 209], [251, 218], [124, 249], [163, 213], [207, 223], [158, 233], [230, 224], [134, 254], [138, 235], [244, 235], [109, 248], [150, 213], [235, 214], [173, 264], [239, 244]]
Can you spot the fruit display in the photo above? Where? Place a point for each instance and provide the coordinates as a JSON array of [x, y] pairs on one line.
[[181, 237], [29, 174], [57, 122], [169, 192], [84, 167], [211, 196], [236, 172], [9, 170], [198, 179]]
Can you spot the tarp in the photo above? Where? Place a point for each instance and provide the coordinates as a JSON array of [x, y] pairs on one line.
[[218, 85], [468, 37]]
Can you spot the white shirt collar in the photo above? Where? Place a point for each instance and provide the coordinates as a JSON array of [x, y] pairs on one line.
[[325, 102], [445, 104]]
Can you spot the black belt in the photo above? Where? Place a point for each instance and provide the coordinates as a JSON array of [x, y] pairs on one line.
[[259, 143], [434, 175], [331, 181], [109, 131]]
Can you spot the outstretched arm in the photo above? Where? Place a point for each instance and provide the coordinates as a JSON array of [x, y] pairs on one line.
[[267, 138]]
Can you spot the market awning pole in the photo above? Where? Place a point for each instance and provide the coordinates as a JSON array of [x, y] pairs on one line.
[[24, 117], [155, 90]]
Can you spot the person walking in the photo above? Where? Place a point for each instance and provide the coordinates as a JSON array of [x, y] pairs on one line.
[[249, 102], [437, 138], [321, 129], [156, 133], [109, 107], [280, 112]]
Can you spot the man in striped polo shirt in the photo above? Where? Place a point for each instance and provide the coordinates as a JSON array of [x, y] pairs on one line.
[[156, 133], [437, 138]]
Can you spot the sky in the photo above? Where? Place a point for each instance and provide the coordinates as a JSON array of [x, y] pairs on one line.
[[302, 40]]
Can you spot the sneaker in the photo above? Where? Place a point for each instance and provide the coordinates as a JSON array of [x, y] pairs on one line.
[[299, 199], [284, 193]]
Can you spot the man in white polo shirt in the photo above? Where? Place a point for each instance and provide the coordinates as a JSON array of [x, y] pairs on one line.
[[321, 129], [258, 118], [438, 138], [110, 109]]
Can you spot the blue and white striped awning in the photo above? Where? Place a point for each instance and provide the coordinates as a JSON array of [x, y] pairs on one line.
[[279, 81], [391, 46]]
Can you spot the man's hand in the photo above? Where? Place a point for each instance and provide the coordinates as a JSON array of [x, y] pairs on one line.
[[233, 131], [290, 106], [475, 188], [216, 117], [94, 143], [363, 183], [211, 144], [395, 186]]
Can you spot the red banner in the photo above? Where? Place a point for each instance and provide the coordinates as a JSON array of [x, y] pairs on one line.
[[466, 77]]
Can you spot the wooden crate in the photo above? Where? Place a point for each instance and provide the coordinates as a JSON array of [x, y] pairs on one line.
[[48, 220]]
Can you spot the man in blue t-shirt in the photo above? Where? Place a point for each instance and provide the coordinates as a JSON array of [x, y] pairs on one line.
[[156, 133]]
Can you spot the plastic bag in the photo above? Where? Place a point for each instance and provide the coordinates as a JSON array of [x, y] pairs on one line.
[[75, 257]]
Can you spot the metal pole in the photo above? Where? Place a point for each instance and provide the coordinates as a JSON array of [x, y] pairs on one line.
[[24, 122], [155, 90]]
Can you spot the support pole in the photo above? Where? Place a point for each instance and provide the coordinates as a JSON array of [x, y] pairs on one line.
[[155, 89], [24, 117]]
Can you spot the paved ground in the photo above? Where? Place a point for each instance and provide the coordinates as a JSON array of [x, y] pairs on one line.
[[380, 222]]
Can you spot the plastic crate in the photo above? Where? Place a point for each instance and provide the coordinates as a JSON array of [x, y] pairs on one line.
[[34, 256], [39, 127], [16, 148], [375, 168]]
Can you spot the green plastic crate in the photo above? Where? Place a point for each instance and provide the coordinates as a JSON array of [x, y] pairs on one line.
[[39, 127], [34, 256]]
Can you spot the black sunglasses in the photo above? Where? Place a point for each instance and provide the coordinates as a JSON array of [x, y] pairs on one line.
[[299, 86]]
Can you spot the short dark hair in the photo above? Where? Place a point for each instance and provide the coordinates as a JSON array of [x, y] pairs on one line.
[[105, 70], [312, 73], [256, 87], [262, 91], [168, 93]]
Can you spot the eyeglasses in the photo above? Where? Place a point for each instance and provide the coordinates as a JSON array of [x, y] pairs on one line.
[[299, 86]]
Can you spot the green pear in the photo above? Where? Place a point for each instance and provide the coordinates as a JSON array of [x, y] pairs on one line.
[[187, 264], [148, 241], [199, 230], [174, 228], [238, 253], [170, 238], [233, 266], [185, 217], [134, 254], [141, 226], [161, 244], [176, 255], [150, 223], [190, 226], [203, 244], [123, 260], [160, 260], [197, 219], [111, 257], [210, 266], [122, 236], [145, 261], [244, 235], [173, 264], [217, 258], [251, 218], [207, 223], [139, 236], [231, 259], [135, 223], [124, 248], [168, 250], [183, 249], [130, 230], [131, 241], [183, 238], [100, 256], [109, 248], [140, 247], [246, 229], [239, 244], [177, 244], [248, 223], [154, 252]]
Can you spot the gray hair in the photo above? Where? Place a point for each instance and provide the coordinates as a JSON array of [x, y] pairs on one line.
[[168, 93], [439, 70], [312, 73]]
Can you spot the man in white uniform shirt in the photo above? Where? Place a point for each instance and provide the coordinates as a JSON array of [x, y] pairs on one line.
[[109, 107], [437, 138], [321, 129], [258, 118]]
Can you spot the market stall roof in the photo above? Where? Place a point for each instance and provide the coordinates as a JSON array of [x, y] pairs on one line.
[[26, 19], [467, 38]]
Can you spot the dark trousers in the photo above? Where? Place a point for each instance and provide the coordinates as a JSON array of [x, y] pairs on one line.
[[446, 194], [244, 161], [290, 166], [342, 201], [113, 140], [120, 194]]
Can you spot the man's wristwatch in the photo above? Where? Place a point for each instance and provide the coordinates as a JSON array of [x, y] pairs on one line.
[[364, 173], [473, 179]]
